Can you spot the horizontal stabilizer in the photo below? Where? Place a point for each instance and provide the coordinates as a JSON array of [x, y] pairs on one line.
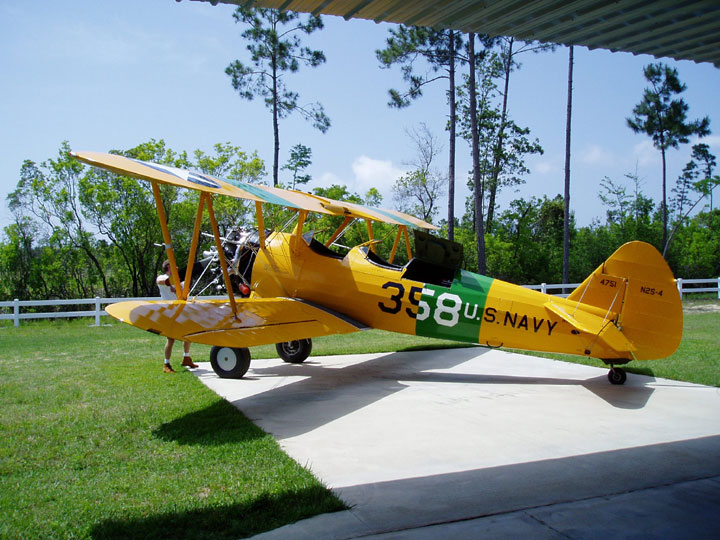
[[615, 339], [568, 318], [594, 325]]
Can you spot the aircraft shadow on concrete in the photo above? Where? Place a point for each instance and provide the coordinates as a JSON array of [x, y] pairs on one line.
[[604, 491], [358, 385], [667, 490], [633, 395]]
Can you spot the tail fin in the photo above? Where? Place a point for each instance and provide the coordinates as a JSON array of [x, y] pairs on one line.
[[637, 288]]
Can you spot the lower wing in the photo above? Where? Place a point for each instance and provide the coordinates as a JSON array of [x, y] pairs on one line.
[[259, 321]]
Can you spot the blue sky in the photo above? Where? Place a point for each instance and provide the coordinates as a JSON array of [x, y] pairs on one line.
[[109, 75]]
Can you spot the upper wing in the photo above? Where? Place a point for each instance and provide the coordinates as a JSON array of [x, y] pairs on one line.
[[162, 174], [260, 321], [242, 190]]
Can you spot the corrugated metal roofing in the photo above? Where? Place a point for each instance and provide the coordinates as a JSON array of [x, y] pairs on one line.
[[683, 30]]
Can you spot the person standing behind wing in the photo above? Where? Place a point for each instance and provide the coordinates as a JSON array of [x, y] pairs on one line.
[[167, 292]]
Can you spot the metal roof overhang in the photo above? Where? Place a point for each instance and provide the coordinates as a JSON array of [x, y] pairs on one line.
[[683, 30]]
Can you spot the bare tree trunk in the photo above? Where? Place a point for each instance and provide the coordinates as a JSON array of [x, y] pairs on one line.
[[664, 200], [566, 214], [479, 219], [451, 165], [276, 129], [497, 161], [89, 252]]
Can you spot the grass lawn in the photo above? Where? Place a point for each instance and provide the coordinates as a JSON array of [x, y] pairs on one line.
[[96, 442]]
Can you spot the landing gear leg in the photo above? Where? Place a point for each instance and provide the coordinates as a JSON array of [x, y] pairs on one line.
[[617, 375]]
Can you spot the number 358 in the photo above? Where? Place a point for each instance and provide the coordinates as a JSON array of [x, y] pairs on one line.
[[447, 310]]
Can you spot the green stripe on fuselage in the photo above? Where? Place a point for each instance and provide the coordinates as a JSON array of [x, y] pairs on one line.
[[454, 313]]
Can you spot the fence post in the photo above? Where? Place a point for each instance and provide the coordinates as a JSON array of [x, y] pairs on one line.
[[679, 286], [16, 312], [97, 311], [719, 288], [543, 288]]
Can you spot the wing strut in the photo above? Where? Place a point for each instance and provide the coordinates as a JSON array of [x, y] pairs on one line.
[[339, 230], [297, 233], [371, 235], [221, 255], [260, 223], [395, 245], [402, 230], [193, 247], [407, 243], [166, 235]]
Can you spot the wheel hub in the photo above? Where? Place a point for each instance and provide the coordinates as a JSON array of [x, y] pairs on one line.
[[226, 359], [291, 347]]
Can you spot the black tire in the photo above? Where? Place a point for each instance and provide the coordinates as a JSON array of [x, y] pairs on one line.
[[230, 362], [617, 376], [294, 352]]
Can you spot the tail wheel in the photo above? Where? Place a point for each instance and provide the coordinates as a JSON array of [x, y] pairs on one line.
[[294, 352], [617, 375], [230, 362]]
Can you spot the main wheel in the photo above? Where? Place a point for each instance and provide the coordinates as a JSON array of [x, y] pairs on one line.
[[294, 352], [230, 362], [617, 376]]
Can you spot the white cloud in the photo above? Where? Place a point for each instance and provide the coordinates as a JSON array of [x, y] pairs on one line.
[[327, 179], [645, 154], [367, 173], [595, 154], [713, 141], [544, 167], [377, 173]]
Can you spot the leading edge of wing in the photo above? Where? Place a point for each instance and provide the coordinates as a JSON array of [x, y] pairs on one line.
[[165, 174], [260, 321]]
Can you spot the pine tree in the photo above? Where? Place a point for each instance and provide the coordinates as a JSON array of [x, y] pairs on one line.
[[663, 117], [442, 49], [275, 50], [300, 159]]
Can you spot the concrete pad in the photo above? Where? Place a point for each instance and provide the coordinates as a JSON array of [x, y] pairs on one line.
[[681, 511], [415, 439]]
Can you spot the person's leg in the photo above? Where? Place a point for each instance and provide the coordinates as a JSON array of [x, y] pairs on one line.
[[187, 361], [167, 368]]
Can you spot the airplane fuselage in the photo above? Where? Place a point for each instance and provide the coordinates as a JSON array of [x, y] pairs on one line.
[[471, 308]]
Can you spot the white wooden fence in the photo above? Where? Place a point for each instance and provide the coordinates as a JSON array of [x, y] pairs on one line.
[[713, 286], [97, 304]]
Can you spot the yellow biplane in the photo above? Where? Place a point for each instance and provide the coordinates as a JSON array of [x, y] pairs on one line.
[[286, 288]]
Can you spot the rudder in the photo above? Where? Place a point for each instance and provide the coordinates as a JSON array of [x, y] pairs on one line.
[[637, 288]]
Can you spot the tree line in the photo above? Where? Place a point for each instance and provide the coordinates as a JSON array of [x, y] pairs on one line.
[[80, 232]]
